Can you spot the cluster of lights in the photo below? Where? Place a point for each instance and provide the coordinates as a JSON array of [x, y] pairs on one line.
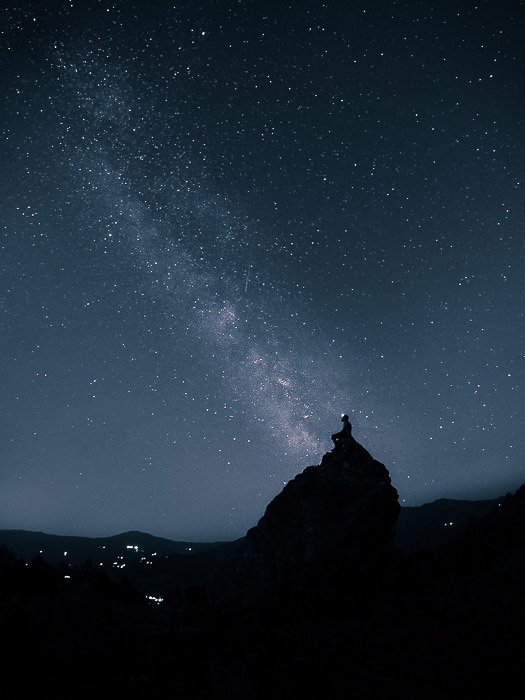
[[155, 599]]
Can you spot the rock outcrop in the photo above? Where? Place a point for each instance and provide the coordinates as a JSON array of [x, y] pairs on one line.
[[331, 525]]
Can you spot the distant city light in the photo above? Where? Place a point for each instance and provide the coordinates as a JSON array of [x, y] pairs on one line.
[[155, 599]]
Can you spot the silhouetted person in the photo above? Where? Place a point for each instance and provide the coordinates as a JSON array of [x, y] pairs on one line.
[[343, 437]]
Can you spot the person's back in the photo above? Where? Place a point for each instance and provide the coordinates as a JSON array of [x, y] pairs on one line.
[[342, 438], [347, 426]]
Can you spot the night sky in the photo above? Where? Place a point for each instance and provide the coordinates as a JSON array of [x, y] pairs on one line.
[[225, 223]]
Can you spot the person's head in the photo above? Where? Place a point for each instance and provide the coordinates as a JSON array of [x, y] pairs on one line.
[[345, 418]]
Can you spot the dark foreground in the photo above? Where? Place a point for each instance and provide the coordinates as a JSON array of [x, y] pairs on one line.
[[443, 622]]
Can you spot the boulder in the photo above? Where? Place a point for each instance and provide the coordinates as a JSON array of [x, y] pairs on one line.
[[330, 526]]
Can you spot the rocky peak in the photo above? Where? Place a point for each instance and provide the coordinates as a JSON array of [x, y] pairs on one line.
[[329, 524]]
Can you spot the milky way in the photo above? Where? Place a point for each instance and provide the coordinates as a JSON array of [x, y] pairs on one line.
[[249, 337], [224, 226]]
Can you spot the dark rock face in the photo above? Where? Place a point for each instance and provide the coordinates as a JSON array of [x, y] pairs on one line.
[[331, 524]]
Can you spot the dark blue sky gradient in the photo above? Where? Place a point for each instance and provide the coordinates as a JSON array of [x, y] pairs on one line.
[[225, 223]]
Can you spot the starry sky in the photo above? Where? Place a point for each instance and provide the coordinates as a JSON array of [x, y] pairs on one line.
[[225, 223]]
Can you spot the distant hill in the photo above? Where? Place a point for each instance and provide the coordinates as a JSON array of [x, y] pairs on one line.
[[156, 564], [75, 550], [433, 524], [149, 560]]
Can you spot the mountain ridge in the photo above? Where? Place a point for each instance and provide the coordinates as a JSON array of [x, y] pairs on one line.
[[410, 517]]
